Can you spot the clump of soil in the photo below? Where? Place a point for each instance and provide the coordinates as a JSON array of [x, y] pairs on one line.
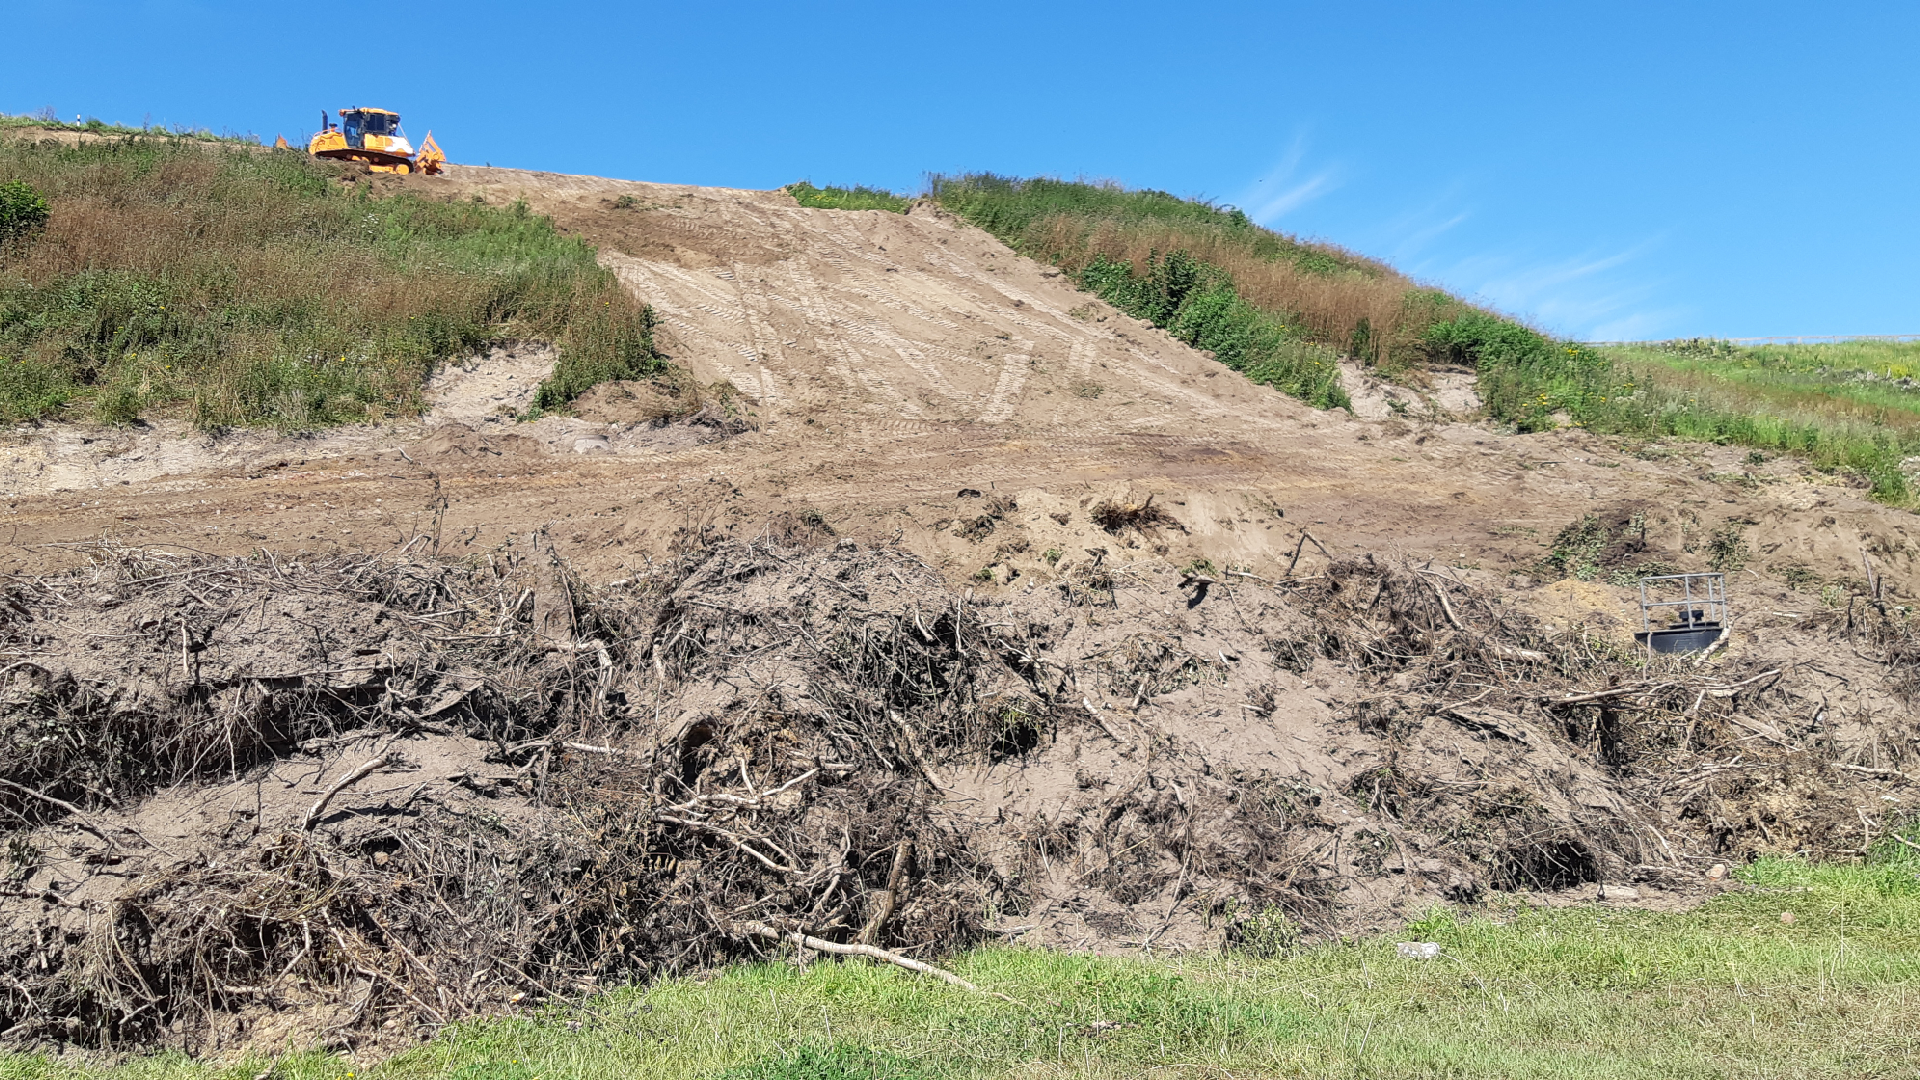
[[359, 798], [663, 401], [1118, 515]]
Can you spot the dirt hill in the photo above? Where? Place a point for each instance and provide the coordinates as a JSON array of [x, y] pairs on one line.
[[984, 610]]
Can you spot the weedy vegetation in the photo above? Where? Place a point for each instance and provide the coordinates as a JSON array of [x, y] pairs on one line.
[[1847, 407], [245, 287], [858, 197], [49, 120]]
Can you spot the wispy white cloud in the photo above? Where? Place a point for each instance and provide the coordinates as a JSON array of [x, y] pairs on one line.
[[1604, 294], [1594, 296], [1407, 238], [1283, 189]]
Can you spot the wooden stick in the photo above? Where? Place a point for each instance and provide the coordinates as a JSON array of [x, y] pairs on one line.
[[731, 837], [1102, 721], [808, 941], [891, 897], [1302, 546], [1873, 772], [913, 747], [1729, 691], [79, 816], [340, 785], [1725, 633], [1445, 606], [1464, 704], [1597, 695]]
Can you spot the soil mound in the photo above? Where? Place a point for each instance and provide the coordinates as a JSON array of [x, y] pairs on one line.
[[363, 797]]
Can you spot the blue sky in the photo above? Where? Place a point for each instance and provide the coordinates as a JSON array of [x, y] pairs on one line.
[[1618, 170]]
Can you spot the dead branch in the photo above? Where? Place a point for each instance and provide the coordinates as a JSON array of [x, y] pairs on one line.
[[1895, 773], [1731, 690], [808, 941], [890, 896], [1446, 606], [1301, 546], [79, 816], [729, 836], [340, 785], [1597, 695]]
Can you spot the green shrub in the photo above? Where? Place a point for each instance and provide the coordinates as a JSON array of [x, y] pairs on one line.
[[853, 198], [22, 210], [1576, 549], [1536, 384], [1196, 303], [1525, 378]]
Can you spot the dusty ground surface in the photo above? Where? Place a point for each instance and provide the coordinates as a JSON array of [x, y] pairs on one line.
[[892, 362], [1057, 629]]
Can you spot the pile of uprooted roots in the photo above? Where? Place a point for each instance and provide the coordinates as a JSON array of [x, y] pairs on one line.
[[636, 778], [1663, 762], [602, 830]]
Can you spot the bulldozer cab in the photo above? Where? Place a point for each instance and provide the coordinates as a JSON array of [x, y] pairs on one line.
[[357, 124]]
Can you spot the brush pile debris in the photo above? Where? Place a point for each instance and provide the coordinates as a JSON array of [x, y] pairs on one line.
[[359, 798]]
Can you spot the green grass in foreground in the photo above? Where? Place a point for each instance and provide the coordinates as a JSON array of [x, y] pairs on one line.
[[246, 287], [1726, 990]]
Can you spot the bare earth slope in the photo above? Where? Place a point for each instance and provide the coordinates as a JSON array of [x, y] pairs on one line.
[[892, 361], [1249, 661]]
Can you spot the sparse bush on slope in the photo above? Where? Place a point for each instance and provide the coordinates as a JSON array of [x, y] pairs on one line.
[[22, 211], [246, 287], [858, 197]]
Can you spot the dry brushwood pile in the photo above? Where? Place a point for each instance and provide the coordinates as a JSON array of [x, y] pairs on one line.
[[362, 797]]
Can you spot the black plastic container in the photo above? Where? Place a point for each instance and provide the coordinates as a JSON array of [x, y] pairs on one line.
[[1692, 637]]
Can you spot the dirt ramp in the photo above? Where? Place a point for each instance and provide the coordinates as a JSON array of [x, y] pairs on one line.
[[898, 320]]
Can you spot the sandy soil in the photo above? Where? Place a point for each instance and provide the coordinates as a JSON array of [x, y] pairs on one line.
[[892, 361]]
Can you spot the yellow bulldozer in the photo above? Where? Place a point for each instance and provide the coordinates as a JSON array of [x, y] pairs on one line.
[[373, 136]]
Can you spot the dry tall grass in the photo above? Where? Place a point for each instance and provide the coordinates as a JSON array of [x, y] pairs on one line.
[[1359, 306], [242, 286], [1376, 317]]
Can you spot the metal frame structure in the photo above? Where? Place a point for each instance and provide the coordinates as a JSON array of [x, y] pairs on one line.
[[1715, 597]]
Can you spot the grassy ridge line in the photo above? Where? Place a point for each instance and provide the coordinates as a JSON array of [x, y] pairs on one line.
[[1729, 989], [95, 126], [244, 287]]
